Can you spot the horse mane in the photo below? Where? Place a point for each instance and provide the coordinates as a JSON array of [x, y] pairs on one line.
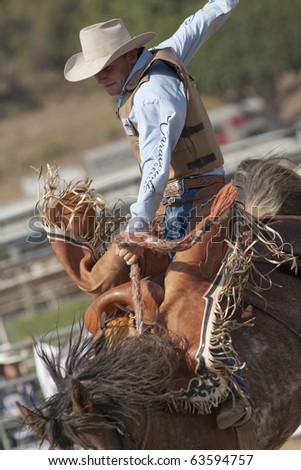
[[118, 382], [268, 187]]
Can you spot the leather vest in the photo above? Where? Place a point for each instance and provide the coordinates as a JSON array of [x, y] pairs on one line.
[[197, 150]]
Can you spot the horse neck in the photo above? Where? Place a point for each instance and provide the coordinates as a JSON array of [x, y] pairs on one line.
[[129, 434], [167, 430], [133, 435]]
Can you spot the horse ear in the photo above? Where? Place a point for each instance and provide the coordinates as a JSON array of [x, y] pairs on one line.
[[35, 421], [80, 397]]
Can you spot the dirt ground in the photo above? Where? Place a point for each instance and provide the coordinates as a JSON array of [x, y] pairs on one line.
[[60, 132]]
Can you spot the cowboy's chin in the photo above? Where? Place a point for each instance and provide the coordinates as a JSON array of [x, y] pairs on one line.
[[112, 89]]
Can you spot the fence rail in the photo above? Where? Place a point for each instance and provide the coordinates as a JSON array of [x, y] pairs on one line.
[[12, 423]]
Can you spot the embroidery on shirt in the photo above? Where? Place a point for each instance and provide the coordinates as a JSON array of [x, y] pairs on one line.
[[155, 171]]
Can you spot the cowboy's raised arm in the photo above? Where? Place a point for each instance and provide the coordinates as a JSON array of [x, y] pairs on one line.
[[197, 28]]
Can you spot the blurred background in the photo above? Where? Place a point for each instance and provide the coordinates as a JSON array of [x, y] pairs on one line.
[[248, 74]]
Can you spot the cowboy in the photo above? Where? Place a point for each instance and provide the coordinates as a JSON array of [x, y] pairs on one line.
[[165, 120], [161, 112]]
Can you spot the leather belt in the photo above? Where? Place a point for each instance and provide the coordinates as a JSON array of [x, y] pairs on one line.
[[177, 187]]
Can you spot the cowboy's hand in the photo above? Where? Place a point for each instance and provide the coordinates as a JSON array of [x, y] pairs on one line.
[[130, 254]]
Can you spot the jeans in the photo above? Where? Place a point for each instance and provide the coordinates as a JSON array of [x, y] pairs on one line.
[[177, 215]]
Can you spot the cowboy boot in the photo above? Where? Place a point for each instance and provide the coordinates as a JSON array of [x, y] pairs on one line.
[[233, 413]]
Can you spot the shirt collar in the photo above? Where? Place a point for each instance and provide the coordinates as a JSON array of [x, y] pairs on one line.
[[144, 57]]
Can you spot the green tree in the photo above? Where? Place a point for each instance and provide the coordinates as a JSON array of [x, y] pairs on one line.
[[257, 44]]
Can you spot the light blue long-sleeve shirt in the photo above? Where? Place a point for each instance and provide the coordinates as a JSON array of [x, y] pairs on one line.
[[159, 107]]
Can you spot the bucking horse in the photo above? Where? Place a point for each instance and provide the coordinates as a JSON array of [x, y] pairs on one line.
[[162, 343]]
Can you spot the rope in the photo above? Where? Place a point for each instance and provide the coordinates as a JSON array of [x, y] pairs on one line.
[[219, 209], [137, 298]]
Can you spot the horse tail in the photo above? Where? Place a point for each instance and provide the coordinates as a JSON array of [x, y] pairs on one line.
[[75, 211], [268, 187]]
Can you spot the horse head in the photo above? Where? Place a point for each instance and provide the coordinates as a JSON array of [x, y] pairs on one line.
[[93, 410]]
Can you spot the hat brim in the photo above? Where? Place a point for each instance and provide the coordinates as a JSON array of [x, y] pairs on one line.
[[77, 68], [12, 357]]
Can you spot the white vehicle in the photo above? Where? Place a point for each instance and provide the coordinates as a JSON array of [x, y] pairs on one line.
[[239, 120]]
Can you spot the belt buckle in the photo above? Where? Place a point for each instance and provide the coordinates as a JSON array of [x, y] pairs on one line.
[[174, 188]]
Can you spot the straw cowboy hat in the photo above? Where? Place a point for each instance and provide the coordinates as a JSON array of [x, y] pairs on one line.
[[102, 43], [12, 356]]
